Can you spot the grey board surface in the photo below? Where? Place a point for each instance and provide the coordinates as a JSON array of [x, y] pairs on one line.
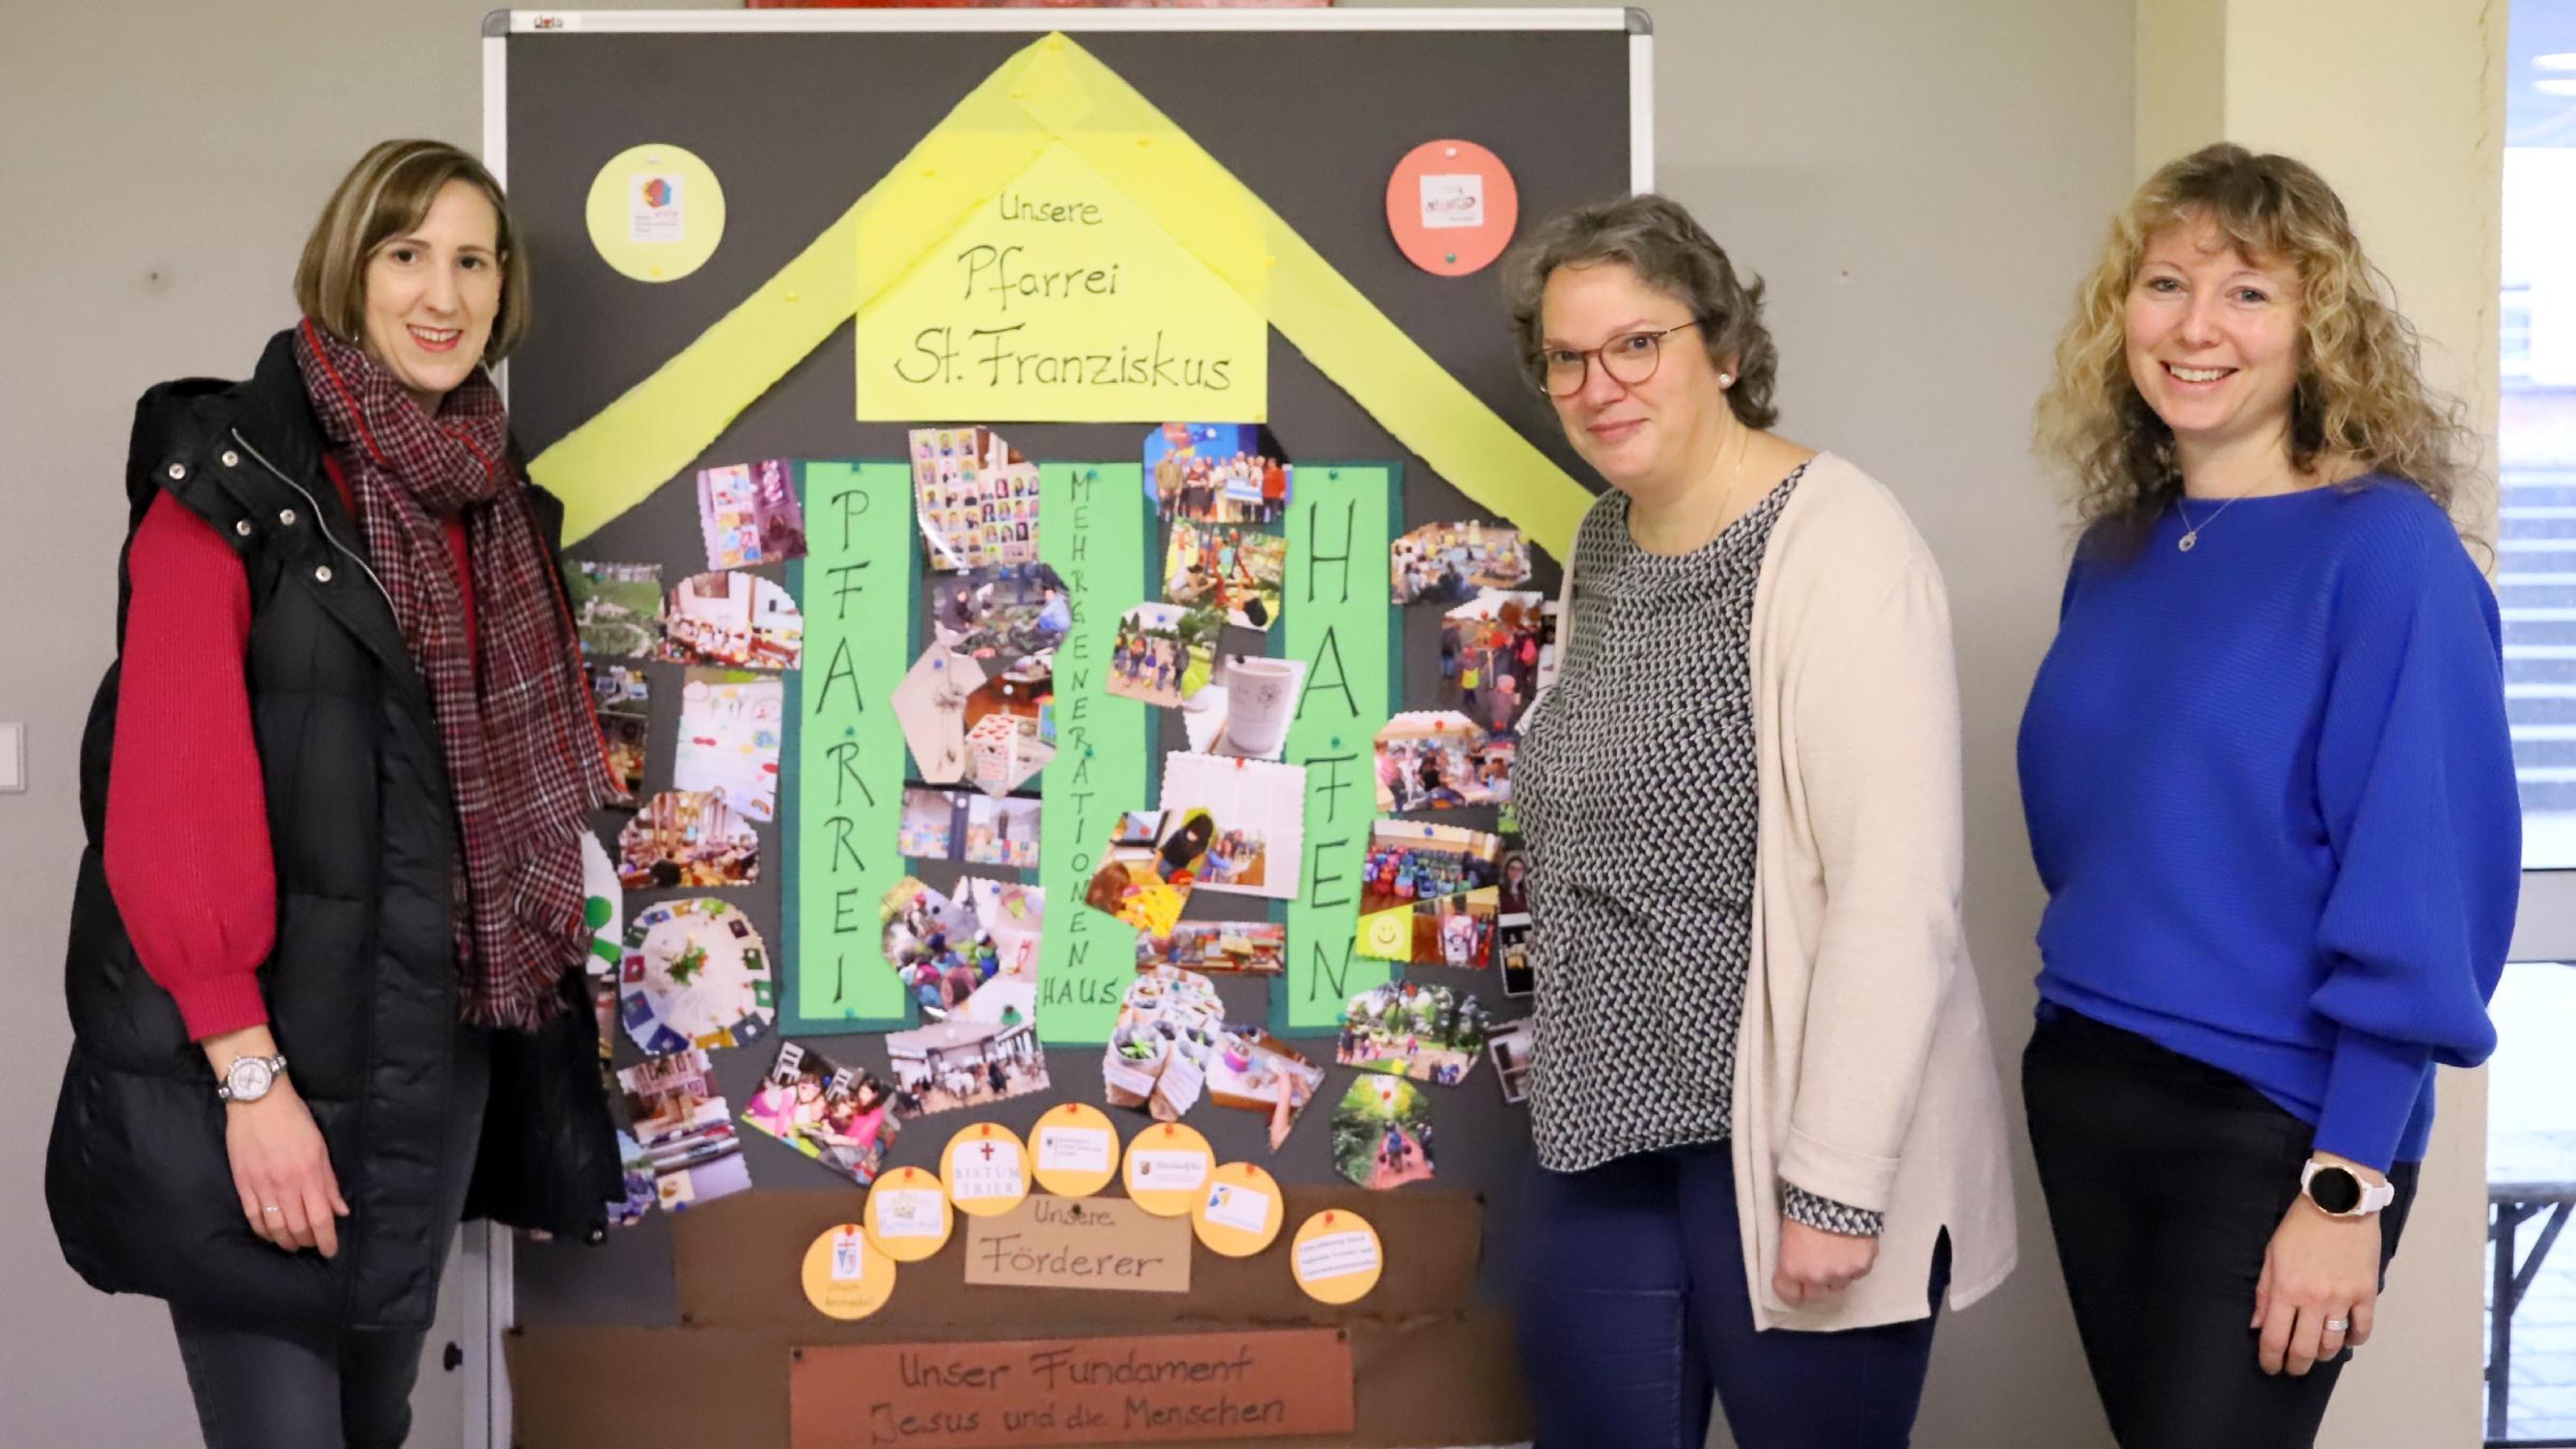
[[797, 126]]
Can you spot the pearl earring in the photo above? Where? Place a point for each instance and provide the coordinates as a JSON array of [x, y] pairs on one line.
[[1726, 379]]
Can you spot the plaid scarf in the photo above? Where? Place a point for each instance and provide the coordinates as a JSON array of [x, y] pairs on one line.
[[524, 757]]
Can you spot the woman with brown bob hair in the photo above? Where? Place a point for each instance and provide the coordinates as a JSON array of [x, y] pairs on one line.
[[2271, 795], [335, 787]]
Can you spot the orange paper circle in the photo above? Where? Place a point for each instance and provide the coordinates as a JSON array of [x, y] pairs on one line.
[[1337, 1257], [1239, 1212], [845, 1275], [907, 1215], [1175, 1153], [1452, 207], [985, 1146], [1073, 1150]]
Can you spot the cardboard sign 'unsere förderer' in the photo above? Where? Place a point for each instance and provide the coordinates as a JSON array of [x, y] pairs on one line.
[[1062, 1242]]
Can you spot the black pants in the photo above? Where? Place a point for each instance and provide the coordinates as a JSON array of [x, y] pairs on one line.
[[2166, 1178]]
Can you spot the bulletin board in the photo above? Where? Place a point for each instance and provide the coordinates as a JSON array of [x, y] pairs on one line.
[[794, 301]]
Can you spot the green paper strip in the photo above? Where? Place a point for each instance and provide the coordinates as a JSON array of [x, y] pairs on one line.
[[1336, 617], [1093, 538], [842, 802]]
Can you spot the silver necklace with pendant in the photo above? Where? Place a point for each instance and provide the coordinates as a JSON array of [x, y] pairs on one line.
[[2191, 531]]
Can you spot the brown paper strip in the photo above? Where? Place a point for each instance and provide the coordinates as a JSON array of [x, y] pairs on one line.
[[1090, 1243]]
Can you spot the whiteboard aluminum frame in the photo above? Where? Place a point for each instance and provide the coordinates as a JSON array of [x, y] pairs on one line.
[[487, 1264]]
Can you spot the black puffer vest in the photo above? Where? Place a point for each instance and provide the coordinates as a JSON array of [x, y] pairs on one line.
[[361, 987]]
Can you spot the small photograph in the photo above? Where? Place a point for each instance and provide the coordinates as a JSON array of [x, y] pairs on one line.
[[1000, 613], [733, 620], [1490, 649], [1010, 725], [1446, 563], [1002, 830], [1237, 573], [1512, 920], [959, 1063], [1261, 807], [929, 824], [635, 1167], [729, 736], [694, 974], [1429, 1033], [976, 499], [1164, 653], [622, 697], [1512, 1045], [1382, 1133], [971, 954], [1456, 931], [1244, 713], [749, 515], [1412, 860], [685, 1130], [1217, 473], [1254, 1071], [1438, 759], [616, 607], [930, 708], [1152, 862], [1170, 1024], [687, 839], [839, 1116], [1246, 948]]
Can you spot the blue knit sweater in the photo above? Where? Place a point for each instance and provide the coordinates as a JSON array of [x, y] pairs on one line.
[[2270, 792]]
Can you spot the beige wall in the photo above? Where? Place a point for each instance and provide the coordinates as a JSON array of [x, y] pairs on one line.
[[1921, 184]]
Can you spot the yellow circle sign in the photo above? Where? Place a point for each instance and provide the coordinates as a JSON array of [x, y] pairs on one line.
[[1076, 1150], [1167, 1169], [845, 1275], [986, 1170], [1337, 1257], [656, 213], [907, 1215], [1239, 1213]]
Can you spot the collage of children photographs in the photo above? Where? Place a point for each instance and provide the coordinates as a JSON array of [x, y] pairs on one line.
[[976, 498]]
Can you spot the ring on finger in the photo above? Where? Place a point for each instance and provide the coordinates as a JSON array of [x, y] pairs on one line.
[[268, 1209], [2338, 1325]]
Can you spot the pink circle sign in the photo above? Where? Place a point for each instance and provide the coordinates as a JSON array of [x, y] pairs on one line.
[[1452, 207]]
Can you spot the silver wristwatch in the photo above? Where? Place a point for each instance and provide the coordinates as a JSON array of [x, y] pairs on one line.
[[249, 1078]]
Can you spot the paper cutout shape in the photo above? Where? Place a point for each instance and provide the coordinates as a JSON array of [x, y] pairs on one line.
[[1514, 1047], [845, 1276], [1227, 568], [1260, 811], [1073, 1150], [1434, 759], [1382, 1133], [729, 737], [1053, 90], [1240, 1212], [1447, 563], [616, 607], [695, 972], [907, 1215], [839, 1116], [1167, 1168], [1087, 1244], [1217, 473], [1164, 653], [985, 1170], [603, 909], [655, 212], [733, 619], [1429, 1033], [930, 705], [683, 839], [684, 1129], [1058, 299], [748, 514], [1252, 948], [975, 498], [1452, 207], [1336, 1257]]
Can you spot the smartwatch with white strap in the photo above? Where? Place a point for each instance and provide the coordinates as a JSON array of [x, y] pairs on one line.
[[2340, 1192]]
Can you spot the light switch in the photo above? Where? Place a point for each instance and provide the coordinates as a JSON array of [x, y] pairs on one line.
[[13, 759]]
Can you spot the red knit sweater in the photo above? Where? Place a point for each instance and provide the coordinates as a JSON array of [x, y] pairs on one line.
[[188, 857]]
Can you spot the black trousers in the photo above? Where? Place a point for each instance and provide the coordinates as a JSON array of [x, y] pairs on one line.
[[2166, 1178]]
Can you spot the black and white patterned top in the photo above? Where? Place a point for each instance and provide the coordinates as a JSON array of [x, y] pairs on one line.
[[1636, 789]]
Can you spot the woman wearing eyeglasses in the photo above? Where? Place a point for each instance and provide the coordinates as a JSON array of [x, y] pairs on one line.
[[1770, 1135]]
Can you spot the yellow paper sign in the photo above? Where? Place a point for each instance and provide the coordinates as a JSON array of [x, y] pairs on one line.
[[908, 1217], [1076, 1150], [985, 1170], [1337, 1257], [1238, 1213], [1167, 1169], [1058, 300], [656, 213], [845, 1275]]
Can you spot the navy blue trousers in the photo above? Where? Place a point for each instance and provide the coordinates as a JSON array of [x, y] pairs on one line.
[[1633, 1309]]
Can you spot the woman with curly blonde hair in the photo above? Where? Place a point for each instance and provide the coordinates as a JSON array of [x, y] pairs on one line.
[[2270, 793]]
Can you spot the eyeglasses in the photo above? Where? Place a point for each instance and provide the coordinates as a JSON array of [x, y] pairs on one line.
[[1627, 359]]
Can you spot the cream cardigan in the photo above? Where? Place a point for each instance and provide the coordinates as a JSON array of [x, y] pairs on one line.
[[1862, 1067]]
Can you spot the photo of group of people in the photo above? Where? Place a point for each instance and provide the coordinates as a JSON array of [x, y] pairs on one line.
[[975, 828], [976, 497], [683, 1129], [970, 954], [622, 697], [1164, 653], [1003, 611], [960, 1063], [1382, 1133], [1438, 759], [1446, 563], [1151, 864], [839, 1116], [1252, 948], [735, 620], [616, 608], [1429, 1033], [1490, 648], [695, 973], [687, 838], [1237, 573], [729, 738], [749, 515], [1217, 473]]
